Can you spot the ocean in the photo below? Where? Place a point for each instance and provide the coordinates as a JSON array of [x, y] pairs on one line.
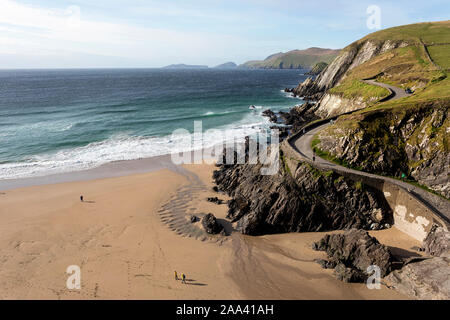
[[55, 121]]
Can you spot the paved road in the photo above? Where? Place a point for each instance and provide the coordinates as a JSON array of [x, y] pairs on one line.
[[397, 92], [303, 146]]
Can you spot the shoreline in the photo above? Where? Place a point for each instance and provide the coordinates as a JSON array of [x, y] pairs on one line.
[[113, 169], [126, 249]]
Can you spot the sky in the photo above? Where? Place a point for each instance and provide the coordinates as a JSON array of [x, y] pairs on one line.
[[155, 33]]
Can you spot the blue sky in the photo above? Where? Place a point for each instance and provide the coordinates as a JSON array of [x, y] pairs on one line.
[[154, 33]]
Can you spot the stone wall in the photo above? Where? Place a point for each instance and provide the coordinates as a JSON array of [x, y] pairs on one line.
[[411, 215]]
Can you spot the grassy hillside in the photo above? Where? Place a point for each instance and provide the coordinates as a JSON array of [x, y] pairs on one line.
[[408, 135], [295, 59], [422, 64]]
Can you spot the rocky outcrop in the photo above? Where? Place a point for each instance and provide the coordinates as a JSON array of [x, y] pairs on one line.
[[215, 200], [271, 115], [211, 225], [425, 280], [437, 242], [352, 253], [412, 141], [298, 116], [317, 68], [295, 118], [307, 90], [332, 105], [430, 278], [304, 200]]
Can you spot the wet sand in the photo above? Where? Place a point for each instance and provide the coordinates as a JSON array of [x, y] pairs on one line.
[[133, 232]]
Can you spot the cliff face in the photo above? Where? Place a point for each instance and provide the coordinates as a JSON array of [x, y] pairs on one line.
[[412, 141], [295, 59], [349, 58], [300, 201], [332, 105]]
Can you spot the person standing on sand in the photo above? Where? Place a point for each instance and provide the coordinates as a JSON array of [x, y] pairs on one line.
[[183, 278], [176, 275], [81, 198]]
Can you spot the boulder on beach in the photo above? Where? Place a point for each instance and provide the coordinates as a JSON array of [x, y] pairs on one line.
[[193, 218], [352, 253], [211, 225], [215, 200]]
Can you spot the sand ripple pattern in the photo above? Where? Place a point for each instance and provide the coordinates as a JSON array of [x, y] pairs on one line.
[[176, 212]]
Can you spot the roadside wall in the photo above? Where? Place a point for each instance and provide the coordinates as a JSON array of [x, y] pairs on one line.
[[411, 215]]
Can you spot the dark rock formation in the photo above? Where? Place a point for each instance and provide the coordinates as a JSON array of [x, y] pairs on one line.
[[412, 141], [352, 253], [346, 274], [304, 200], [215, 200], [326, 264], [211, 225], [193, 219], [271, 115], [283, 132], [308, 90], [299, 115]]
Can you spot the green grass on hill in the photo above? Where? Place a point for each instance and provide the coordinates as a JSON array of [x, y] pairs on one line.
[[355, 88], [440, 55], [294, 59], [424, 65], [406, 67], [428, 32]]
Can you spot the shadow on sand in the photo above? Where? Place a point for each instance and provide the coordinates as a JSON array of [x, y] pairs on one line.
[[192, 282]]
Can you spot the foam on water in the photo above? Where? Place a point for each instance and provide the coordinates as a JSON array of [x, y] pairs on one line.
[[125, 147], [71, 120]]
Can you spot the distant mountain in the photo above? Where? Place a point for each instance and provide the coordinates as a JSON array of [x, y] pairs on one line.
[[185, 66], [295, 59], [228, 65]]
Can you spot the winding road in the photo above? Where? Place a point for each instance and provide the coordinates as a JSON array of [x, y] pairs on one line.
[[301, 143], [396, 92]]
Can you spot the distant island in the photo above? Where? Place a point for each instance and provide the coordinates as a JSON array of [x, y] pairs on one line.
[[295, 59], [316, 59], [227, 65], [185, 66]]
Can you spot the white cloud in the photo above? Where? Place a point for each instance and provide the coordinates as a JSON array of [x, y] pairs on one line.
[[31, 30]]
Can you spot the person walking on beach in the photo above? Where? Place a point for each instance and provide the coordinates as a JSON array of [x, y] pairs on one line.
[[81, 198], [183, 278], [176, 275]]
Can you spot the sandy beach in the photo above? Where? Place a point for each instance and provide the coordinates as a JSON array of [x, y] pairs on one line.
[[131, 234]]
